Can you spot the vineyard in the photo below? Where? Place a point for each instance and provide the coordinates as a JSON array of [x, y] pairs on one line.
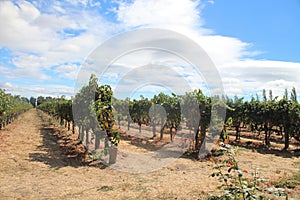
[[98, 112], [94, 122], [11, 107]]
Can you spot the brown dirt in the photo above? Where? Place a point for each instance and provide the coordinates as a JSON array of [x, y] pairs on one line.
[[41, 161]]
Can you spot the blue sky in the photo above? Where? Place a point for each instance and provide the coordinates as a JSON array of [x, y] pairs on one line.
[[270, 25], [254, 44]]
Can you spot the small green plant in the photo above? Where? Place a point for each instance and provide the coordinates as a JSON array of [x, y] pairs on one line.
[[105, 188], [288, 182], [296, 177], [99, 154], [238, 184]]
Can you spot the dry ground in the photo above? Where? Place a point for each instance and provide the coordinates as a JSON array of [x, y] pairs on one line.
[[37, 162]]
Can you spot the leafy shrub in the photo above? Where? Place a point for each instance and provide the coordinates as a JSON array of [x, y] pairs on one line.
[[237, 183]]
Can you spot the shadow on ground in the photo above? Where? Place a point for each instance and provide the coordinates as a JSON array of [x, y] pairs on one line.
[[261, 148], [60, 148]]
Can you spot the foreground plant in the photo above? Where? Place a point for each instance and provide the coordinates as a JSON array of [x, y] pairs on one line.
[[234, 182]]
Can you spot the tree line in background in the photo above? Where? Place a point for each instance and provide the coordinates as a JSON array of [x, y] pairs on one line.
[[11, 106], [60, 108]]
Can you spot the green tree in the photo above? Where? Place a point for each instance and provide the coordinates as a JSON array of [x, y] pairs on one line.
[[33, 101], [40, 100]]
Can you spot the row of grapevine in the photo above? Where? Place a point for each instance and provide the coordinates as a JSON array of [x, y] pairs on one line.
[[93, 112], [95, 107], [194, 108], [60, 108], [270, 116], [273, 115], [90, 111], [11, 106]]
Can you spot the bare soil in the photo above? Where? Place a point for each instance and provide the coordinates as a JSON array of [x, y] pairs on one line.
[[40, 160]]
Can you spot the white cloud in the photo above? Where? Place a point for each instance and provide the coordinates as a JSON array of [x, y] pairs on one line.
[[37, 40], [29, 61], [64, 68], [183, 17], [27, 11], [160, 13], [38, 90], [248, 77], [223, 49], [261, 70], [67, 71], [54, 23], [84, 3], [4, 70], [241, 75], [44, 34], [16, 31]]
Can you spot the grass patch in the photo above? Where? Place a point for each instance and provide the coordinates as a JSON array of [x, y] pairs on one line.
[[297, 176], [105, 188], [289, 182]]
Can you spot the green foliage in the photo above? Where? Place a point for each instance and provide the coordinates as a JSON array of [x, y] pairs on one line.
[[11, 106], [33, 101], [120, 109], [83, 104], [98, 108], [236, 183], [172, 107], [139, 111], [224, 133], [99, 154], [269, 115], [104, 112], [197, 113], [58, 107]]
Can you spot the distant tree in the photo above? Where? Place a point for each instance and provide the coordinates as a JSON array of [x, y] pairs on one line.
[[270, 95], [40, 100], [32, 101], [257, 97], [264, 96], [285, 96], [294, 95], [48, 98]]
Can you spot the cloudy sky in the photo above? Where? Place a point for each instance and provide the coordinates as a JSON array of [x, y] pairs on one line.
[[254, 44]]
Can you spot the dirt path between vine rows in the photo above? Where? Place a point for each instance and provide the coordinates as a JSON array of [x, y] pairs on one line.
[[35, 165]]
